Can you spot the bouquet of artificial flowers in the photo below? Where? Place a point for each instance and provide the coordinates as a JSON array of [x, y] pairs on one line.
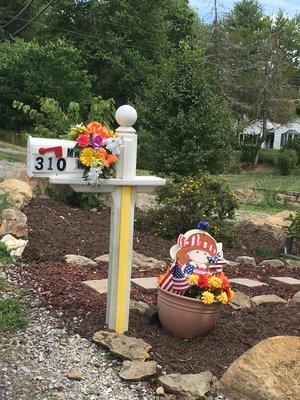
[[202, 285], [98, 149]]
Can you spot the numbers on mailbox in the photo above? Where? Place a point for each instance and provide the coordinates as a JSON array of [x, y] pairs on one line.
[[50, 164]]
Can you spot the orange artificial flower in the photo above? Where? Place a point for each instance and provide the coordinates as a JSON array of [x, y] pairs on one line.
[[111, 159], [101, 154], [104, 132], [94, 128]]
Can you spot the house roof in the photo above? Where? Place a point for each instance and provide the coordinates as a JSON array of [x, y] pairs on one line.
[[255, 128]]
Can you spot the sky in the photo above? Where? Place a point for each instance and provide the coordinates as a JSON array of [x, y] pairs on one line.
[[205, 7]]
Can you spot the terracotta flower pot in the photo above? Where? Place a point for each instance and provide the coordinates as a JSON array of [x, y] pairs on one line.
[[185, 317]]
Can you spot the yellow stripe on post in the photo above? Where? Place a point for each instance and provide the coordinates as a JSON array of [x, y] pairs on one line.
[[124, 269]]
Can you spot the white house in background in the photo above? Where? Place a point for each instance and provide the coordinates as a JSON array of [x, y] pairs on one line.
[[277, 134], [285, 132]]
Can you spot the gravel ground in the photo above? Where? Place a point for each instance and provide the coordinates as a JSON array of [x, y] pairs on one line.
[[7, 166], [34, 363]]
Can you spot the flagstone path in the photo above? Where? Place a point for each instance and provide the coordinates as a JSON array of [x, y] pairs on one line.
[[149, 284]]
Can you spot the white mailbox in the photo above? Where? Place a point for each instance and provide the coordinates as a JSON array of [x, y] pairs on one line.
[[48, 157]]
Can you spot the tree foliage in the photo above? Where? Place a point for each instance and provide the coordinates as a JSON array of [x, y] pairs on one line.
[[29, 71], [187, 119]]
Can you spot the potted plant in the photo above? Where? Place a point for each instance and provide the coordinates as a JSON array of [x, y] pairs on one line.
[[192, 291]]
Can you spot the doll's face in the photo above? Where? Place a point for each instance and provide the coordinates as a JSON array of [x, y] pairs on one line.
[[198, 256]]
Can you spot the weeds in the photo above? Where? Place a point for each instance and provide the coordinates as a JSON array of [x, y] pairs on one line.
[[5, 202], [5, 257], [12, 316]]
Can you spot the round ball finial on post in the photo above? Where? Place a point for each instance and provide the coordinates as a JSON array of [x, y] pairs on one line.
[[126, 116]]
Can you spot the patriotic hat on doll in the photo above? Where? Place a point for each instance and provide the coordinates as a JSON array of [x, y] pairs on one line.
[[197, 238]]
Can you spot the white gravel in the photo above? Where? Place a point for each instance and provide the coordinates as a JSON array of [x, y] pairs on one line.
[[34, 365], [7, 166]]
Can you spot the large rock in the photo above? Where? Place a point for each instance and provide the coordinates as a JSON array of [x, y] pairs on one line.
[[39, 186], [145, 201], [139, 261], [188, 386], [273, 263], [292, 264], [274, 224], [296, 298], [19, 191], [14, 222], [14, 246], [79, 260], [137, 370], [240, 301], [245, 195], [245, 260], [268, 371], [125, 347], [267, 299], [147, 312]]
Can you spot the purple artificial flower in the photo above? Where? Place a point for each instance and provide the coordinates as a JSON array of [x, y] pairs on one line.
[[97, 141]]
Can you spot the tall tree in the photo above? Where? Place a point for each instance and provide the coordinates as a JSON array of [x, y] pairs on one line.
[[186, 116], [258, 67], [123, 41]]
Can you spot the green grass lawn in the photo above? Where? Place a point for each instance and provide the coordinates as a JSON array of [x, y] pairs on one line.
[[12, 152], [264, 181]]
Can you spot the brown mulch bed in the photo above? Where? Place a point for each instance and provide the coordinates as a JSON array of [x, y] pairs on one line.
[[56, 229], [58, 287]]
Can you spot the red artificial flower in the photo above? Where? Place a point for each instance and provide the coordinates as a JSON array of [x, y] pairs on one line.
[[83, 140], [203, 281]]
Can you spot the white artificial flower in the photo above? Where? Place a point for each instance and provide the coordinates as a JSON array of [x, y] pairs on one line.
[[113, 145]]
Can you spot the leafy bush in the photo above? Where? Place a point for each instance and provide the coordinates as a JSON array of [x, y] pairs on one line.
[[12, 316], [145, 150], [4, 254], [234, 162], [186, 200], [51, 121], [29, 70], [5, 202], [287, 161], [269, 157], [294, 228], [248, 153], [294, 145], [85, 201], [186, 114]]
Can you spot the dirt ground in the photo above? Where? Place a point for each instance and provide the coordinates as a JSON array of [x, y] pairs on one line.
[[56, 229]]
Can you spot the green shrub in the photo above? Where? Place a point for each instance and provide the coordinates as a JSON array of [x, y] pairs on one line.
[[294, 228], [287, 161], [269, 157], [234, 162], [12, 316], [85, 201], [145, 150], [4, 254], [186, 200], [50, 120], [294, 145], [5, 202], [248, 153]]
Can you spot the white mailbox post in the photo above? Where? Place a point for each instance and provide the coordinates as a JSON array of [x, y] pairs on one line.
[[56, 159]]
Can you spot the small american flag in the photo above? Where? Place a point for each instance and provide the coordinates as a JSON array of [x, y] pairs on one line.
[[167, 281], [188, 269], [214, 260], [180, 283]]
